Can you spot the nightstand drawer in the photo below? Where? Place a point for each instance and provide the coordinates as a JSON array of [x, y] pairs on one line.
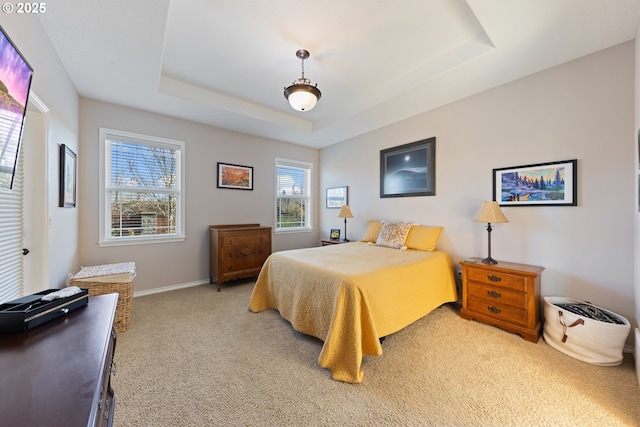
[[497, 278], [506, 313], [496, 294]]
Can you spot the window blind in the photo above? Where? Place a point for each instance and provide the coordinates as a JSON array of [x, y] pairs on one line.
[[11, 235], [142, 188], [293, 195]]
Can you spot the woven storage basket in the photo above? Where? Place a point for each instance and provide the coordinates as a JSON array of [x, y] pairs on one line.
[[108, 279], [584, 337]]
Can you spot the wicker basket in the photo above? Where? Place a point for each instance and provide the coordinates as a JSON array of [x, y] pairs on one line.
[[108, 279]]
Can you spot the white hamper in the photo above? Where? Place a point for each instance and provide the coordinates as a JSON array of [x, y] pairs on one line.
[[596, 336]]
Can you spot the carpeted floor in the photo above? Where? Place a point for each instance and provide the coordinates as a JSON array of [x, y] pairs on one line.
[[197, 357]]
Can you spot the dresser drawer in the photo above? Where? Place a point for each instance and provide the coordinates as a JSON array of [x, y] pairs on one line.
[[244, 257], [240, 240], [496, 294], [506, 313], [497, 278]]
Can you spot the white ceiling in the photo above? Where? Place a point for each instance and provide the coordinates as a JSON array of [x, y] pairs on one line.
[[226, 62]]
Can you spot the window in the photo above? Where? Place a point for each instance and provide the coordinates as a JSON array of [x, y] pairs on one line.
[[293, 196], [142, 189]]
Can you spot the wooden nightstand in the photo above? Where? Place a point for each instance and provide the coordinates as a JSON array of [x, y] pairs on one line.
[[327, 242], [506, 295]]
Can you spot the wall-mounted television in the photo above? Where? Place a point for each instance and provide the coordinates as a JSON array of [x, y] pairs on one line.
[[15, 81]]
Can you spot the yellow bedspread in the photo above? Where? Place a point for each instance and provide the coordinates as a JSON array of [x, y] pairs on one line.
[[352, 294]]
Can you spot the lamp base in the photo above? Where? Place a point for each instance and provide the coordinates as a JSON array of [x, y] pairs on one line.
[[489, 260]]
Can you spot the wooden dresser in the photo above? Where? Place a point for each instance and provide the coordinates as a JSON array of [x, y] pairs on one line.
[[506, 295], [59, 373], [237, 251]]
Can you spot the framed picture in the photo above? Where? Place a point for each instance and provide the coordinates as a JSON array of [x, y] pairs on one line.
[[409, 170], [542, 184], [68, 168], [336, 197], [335, 234], [235, 176]]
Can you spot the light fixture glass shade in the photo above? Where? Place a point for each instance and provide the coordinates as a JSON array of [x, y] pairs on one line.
[[302, 97], [490, 212], [345, 212]]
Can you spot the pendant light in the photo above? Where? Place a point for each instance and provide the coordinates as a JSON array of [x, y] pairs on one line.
[[301, 95]]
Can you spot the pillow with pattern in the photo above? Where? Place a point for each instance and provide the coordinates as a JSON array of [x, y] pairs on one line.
[[393, 235]]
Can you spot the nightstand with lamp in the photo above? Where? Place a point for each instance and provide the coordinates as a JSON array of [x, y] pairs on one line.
[[503, 294]]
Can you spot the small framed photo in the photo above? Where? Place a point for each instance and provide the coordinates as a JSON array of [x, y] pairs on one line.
[[337, 197], [236, 177], [68, 170], [335, 234], [409, 170], [542, 184]]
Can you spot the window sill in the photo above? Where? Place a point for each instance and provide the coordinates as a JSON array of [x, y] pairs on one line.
[[293, 230], [126, 241]]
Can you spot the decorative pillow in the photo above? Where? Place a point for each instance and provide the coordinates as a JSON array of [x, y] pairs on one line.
[[423, 237], [373, 230], [393, 235]]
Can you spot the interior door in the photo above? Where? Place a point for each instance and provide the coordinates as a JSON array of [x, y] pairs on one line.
[[36, 213]]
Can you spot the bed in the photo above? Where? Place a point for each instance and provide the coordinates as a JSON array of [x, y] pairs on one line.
[[352, 294]]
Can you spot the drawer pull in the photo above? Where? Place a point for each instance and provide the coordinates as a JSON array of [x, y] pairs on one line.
[[495, 310], [494, 278], [494, 294]]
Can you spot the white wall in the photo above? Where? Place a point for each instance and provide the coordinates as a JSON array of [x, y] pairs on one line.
[[178, 264], [580, 110], [54, 88]]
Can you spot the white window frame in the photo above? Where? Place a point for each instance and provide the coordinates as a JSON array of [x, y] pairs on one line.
[[309, 196], [105, 238]]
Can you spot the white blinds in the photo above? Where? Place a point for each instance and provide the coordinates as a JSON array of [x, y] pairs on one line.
[[293, 195], [11, 232]]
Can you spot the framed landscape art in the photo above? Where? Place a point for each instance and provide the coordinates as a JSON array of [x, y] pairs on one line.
[[542, 184], [236, 177], [337, 197], [409, 170]]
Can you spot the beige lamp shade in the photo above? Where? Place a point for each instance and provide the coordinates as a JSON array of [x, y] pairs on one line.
[[490, 212], [345, 212]]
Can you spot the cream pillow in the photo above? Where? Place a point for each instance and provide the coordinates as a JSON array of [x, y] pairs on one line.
[[393, 235], [423, 237], [373, 231]]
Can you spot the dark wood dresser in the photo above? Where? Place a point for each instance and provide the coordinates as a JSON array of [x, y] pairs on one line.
[[506, 295], [237, 251], [59, 373]]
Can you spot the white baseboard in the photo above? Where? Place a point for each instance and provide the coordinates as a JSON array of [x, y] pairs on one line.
[[170, 288]]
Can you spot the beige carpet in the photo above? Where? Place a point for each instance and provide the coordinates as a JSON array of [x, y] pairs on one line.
[[196, 357]]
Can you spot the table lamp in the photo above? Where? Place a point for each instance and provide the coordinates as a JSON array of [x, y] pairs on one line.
[[345, 212], [490, 212]]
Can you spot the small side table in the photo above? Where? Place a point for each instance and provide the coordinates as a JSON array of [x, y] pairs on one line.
[[506, 295], [327, 242]]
